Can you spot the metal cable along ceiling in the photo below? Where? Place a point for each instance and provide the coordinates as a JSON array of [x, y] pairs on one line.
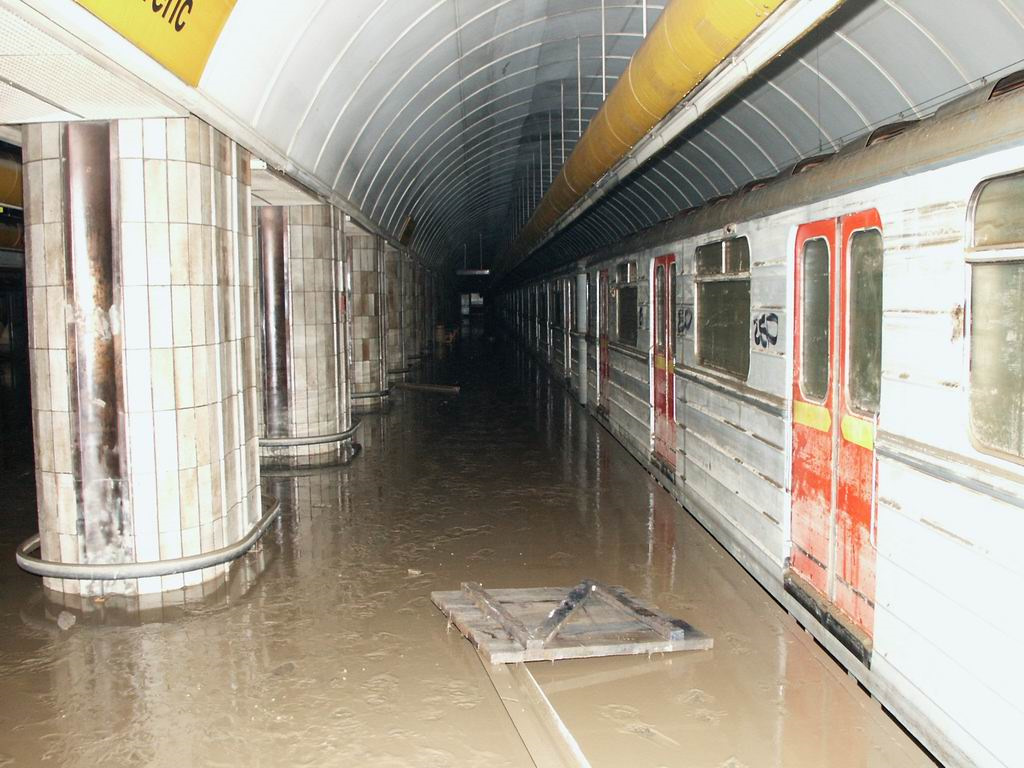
[[456, 111]]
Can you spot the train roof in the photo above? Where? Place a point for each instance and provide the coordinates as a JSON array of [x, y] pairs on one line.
[[980, 121]]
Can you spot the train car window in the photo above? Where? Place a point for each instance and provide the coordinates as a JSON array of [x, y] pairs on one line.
[[556, 308], [626, 320], [723, 306], [997, 219], [737, 255], [997, 317], [864, 373], [709, 259], [626, 304], [997, 362], [815, 319]]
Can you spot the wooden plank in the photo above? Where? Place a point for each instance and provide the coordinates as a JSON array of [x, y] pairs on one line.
[[495, 610], [602, 627], [546, 632], [664, 625]]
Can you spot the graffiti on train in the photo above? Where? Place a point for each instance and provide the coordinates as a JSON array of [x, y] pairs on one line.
[[685, 320], [766, 330]]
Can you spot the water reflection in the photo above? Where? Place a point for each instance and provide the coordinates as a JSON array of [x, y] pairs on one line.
[[326, 649]]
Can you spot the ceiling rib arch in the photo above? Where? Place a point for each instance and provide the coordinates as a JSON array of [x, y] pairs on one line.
[[431, 108]]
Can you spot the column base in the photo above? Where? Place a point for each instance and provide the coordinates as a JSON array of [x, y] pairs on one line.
[[284, 453], [91, 580], [371, 402]]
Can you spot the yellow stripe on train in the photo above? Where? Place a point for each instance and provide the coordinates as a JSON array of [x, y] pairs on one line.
[[858, 431], [811, 415]]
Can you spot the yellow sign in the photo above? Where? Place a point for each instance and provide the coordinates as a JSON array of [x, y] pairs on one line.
[[180, 34]]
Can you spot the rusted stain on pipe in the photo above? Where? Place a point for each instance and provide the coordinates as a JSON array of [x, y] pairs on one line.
[[95, 396], [690, 38], [273, 224]]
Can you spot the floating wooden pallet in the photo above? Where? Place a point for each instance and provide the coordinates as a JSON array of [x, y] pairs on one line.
[[513, 625]]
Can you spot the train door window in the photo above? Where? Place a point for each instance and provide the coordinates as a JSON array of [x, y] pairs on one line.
[[865, 342], [723, 306], [997, 317], [815, 310], [556, 306], [570, 305], [591, 306], [659, 306]]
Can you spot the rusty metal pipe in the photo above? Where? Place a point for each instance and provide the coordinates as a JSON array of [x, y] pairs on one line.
[[273, 240], [436, 389], [92, 344], [149, 568]]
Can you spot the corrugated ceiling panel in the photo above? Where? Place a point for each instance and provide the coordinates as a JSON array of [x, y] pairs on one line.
[[440, 108]]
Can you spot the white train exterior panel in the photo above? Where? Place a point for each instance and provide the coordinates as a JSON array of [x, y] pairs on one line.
[[948, 630]]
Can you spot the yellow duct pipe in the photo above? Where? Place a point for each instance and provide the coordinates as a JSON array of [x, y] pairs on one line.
[[10, 180], [690, 38]]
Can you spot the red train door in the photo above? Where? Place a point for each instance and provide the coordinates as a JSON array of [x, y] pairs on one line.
[[603, 361], [664, 375], [836, 385]]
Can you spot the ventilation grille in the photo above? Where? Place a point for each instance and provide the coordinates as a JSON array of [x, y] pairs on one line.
[[44, 80]]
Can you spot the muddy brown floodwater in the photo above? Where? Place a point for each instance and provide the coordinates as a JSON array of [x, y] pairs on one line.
[[324, 649]]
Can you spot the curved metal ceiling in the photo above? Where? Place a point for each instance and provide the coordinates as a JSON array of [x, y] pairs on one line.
[[452, 111]]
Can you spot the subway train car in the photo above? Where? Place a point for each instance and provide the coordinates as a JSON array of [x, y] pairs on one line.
[[827, 370]]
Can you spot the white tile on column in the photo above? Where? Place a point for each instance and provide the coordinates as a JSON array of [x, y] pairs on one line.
[[155, 186], [134, 269], [133, 191], [138, 381], [129, 138], [144, 510], [162, 361], [158, 254], [160, 317], [176, 139], [154, 139]]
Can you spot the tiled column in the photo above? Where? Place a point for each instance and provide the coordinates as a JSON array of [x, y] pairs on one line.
[[305, 416], [424, 332], [434, 317], [429, 322], [411, 320], [394, 306], [369, 387], [140, 289]]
